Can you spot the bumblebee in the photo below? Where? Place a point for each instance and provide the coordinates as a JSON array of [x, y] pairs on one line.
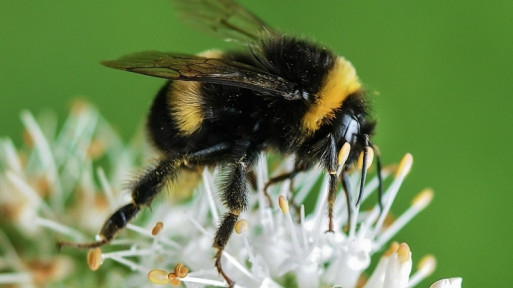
[[281, 93]]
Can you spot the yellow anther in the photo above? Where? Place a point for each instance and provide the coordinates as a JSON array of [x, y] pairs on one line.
[[389, 169], [157, 228], [157, 276], [180, 270], [404, 165], [428, 264], [94, 258], [284, 204], [423, 198], [172, 279], [241, 226]]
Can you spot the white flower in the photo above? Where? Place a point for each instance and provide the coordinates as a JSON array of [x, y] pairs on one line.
[[447, 283], [57, 182]]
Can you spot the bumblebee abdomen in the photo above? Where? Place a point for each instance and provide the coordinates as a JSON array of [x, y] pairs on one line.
[[191, 116], [162, 128]]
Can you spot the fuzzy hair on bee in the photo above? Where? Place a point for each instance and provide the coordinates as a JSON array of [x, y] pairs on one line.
[[280, 93]]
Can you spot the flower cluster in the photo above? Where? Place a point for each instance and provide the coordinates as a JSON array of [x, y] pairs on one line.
[[54, 188]]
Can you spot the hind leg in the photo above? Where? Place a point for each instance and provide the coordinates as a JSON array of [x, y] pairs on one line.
[[143, 192]]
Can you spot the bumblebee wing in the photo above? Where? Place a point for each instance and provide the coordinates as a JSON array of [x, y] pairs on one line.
[[224, 18], [211, 70]]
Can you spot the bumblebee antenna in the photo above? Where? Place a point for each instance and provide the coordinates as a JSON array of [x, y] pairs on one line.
[[380, 179], [364, 168]]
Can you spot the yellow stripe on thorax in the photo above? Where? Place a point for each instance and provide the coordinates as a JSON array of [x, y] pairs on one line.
[[340, 82]]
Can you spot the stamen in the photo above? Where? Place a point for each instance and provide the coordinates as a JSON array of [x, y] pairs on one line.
[[203, 281], [284, 204], [425, 267], [306, 185], [130, 264], [157, 276], [11, 156], [423, 199], [46, 156], [173, 279], [261, 179], [105, 186], [37, 137], [146, 232], [58, 227], [238, 265], [181, 270], [29, 193], [94, 258], [303, 227], [427, 263], [157, 228], [389, 196], [207, 183], [197, 224], [128, 253], [140, 230], [241, 226], [418, 204], [404, 166]]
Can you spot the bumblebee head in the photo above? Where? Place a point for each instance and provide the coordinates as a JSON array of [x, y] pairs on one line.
[[352, 124]]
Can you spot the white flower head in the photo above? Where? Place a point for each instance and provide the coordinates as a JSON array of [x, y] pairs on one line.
[[277, 244]]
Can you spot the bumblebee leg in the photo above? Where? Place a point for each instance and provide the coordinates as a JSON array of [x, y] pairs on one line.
[[298, 167], [332, 192], [278, 179], [208, 155], [234, 191], [329, 161], [234, 196], [143, 192]]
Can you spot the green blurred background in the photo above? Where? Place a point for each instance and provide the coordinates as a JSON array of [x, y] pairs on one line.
[[443, 70]]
